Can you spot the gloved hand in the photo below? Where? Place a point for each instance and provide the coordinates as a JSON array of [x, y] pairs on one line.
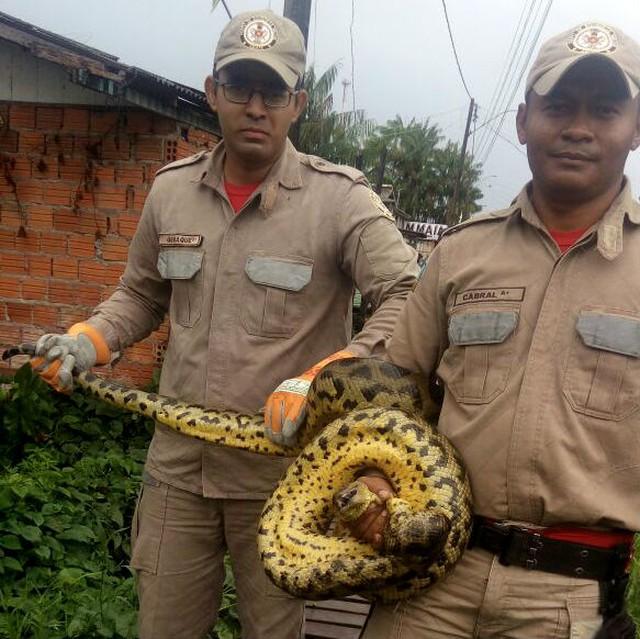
[[58, 356], [286, 408]]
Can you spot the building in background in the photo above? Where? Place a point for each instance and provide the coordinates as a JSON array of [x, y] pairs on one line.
[[81, 137]]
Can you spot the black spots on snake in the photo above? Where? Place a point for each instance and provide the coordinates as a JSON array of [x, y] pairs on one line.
[[130, 397], [323, 442]]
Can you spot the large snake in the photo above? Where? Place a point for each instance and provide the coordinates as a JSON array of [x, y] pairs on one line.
[[361, 413]]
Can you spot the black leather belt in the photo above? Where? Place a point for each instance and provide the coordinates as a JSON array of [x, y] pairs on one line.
[[526, 548]]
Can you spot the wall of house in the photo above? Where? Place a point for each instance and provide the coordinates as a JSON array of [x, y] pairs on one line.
[[73, 180]]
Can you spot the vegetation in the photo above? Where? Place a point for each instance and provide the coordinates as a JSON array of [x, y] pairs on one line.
[[70, 473], [419, 162]]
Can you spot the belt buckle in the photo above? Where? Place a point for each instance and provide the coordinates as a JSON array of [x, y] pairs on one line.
[[521, 547]]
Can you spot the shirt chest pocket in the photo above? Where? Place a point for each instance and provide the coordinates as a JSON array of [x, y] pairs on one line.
[[477, 364], [602, 376], [184, 268], [276, 294]]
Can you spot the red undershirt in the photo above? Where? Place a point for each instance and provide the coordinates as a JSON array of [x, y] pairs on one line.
[[566, 239], [238, 194]]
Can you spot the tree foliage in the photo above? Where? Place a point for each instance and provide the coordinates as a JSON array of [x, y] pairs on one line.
[[421, 164]]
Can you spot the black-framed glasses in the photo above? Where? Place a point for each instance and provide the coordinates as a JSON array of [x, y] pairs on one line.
[[241, 94]]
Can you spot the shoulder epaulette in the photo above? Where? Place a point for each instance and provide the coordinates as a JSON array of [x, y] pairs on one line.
[[478, 218], [324, 166], [192, 159]]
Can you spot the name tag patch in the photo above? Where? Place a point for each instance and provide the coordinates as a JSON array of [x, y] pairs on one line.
[[178, 239], [508, 294]]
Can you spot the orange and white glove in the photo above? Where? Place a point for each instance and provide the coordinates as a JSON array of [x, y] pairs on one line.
[[59, 356], [286, 408]]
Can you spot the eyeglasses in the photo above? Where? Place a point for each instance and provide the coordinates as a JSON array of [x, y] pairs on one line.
[[242, 94]]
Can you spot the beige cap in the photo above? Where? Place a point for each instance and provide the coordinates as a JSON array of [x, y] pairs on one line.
[[265, 37], [593, 39]]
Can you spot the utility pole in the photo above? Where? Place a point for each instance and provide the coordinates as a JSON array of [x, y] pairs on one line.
[[453, 215], [299, 11]]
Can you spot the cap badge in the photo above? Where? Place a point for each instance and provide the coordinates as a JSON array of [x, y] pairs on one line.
[[594, 38], [258, 33]]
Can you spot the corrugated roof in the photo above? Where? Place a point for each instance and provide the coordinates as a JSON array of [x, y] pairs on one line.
[[104, 72]]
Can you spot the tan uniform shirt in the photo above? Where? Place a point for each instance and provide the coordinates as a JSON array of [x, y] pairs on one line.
[[540, 357], [254, 297]]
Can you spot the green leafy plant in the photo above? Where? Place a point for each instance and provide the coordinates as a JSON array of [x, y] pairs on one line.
[[71, 468]]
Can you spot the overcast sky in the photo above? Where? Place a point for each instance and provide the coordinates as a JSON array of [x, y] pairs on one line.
[[402, 58]]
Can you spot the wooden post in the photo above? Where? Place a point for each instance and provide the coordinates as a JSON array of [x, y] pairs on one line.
[[453, 214]]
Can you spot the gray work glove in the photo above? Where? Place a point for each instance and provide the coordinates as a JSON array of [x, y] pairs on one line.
[[61, 356]]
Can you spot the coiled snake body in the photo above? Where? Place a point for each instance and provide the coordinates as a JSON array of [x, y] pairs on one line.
[[361, 413]]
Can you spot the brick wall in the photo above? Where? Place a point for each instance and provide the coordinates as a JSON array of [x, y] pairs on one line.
[[73, 181]]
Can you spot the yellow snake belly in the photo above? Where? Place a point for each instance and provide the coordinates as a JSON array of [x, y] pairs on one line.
[[361, 413]]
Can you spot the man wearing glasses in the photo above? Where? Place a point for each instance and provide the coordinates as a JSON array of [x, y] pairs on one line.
[[254, 250]]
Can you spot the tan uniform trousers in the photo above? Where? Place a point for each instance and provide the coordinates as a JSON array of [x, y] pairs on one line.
[[178, 545], [483, 599]]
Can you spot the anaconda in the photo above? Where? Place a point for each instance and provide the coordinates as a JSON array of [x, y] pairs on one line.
[[361, 413]]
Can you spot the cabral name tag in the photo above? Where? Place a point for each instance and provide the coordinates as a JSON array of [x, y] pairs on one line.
[[510, 294], [177, 239]]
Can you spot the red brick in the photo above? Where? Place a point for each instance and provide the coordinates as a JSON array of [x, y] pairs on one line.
[[82, 245], [30, 191], [72, 169], [64, 268], [62, 292], [35, 289], [115, 249], [149, 148], [116, 147], [45, 316], [32, 334], [10, 286], [162, 333], [61, 193], [31, 142], [20, 167], [85, 221], [44, 167], [92, 271], [12, 263], [60, 143], [88, 294], [150, 170], [10, 216], [105, 174], [39, 265], [111, 197], [53, 243], [129, 174], [75, 119], [29, 243], [40, 217], [184, 149], [22, 116], [164, 126], [7, 239], [103, 121], [49, 117], [141, 353], [9, 333], [127, 225], [139, 198], [139, 122], [19, 312], [9, 141], [71, 315]]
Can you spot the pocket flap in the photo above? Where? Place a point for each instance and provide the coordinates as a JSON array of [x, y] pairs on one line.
[[614, 333], [179, 264], [485, 327], [278, 273]]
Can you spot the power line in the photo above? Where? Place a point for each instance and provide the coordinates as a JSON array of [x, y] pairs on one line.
[[524, 66], [455, 52]]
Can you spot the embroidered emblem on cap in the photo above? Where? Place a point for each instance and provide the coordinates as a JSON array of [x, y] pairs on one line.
[[594, 38], [258, 33]]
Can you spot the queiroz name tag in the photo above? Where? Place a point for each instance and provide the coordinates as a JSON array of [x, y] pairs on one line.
[[179, 239]]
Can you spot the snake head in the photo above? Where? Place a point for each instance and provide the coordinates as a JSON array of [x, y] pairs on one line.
[[19, 349], [354, 500]]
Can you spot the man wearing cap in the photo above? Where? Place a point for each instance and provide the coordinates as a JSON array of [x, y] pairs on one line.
[[254, 250], [530, 317]]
